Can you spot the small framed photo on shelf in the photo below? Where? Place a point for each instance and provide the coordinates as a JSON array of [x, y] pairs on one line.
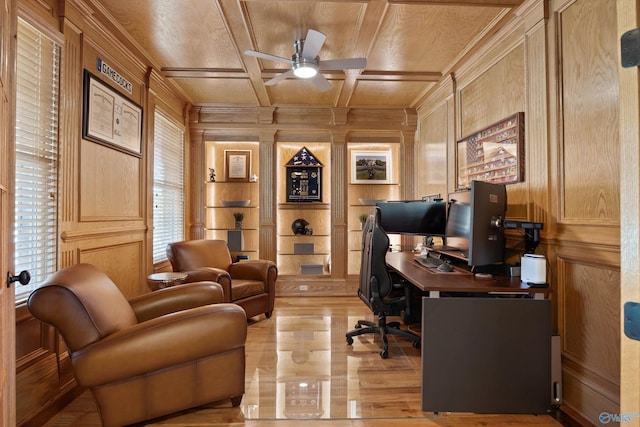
[[370, 167], [237, 164]]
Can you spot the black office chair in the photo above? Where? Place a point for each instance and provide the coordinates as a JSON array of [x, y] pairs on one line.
[[378, 290]]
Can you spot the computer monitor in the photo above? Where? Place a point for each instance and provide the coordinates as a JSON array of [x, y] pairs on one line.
[[474, 223], [413, 217], [458, 229]]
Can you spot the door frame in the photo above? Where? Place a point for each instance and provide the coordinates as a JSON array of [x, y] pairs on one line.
[[8, 32], [629, 102]]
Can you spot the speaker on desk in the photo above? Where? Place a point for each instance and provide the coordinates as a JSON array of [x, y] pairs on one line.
[[533, 269]]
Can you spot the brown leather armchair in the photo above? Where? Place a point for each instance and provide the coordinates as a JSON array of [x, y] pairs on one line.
[[250, 284], [159, 353]]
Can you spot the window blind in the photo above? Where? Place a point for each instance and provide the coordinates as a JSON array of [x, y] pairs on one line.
[[168, 185], [36, 211]]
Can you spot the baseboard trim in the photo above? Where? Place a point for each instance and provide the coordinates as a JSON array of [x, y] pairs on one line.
[[315, 286]]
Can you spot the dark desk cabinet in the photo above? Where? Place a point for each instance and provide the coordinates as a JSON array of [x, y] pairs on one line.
[[486, 355]]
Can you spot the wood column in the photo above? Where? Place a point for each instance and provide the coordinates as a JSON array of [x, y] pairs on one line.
[[339, 223], [267, 187], [196, 174]]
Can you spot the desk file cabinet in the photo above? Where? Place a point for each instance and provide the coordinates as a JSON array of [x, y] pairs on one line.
[[486, 355]]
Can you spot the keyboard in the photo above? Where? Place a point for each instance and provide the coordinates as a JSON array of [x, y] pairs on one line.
[[429, 262]]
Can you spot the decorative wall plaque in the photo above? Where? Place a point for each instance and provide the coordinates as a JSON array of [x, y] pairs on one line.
[[304, 177], [494, 154]]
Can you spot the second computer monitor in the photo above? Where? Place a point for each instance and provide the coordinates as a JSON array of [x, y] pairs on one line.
[[413, 217], [472, 226]]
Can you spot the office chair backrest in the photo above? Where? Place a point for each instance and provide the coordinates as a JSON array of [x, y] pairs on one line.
[[365, 256], [375, 245]]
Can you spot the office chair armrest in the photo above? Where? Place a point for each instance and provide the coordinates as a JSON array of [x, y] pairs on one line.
[[176, 298], [161, 343]]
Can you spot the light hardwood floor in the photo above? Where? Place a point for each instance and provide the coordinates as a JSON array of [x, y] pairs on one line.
[[300, 369]]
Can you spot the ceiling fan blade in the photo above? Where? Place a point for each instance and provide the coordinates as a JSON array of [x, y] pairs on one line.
[[312, 44], [343, 64], [266, 56], [278, 78], [321, 82]]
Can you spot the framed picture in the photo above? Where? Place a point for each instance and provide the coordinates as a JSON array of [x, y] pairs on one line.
[[493, 154], [370, 167], [237, 164], [109, 118]]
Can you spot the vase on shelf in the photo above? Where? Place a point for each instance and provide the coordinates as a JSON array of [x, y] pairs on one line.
[[363, 220], [238, 216]]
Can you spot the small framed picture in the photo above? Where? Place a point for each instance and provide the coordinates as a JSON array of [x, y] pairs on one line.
[[237, 164], [370, 167]]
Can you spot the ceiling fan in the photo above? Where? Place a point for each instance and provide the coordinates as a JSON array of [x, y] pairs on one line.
[[305, 63]]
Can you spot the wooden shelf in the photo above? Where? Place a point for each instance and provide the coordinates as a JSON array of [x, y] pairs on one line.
[[230, 207], [219, 220], [304, 206], [305, 255], [229, 229], [230, 182], [367, 192], [304, 235]]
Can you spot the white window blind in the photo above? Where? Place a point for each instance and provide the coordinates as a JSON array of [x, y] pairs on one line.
[[36, 212], [168, 185]]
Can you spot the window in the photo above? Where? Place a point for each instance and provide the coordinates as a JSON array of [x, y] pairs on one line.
[[168, 185], [36, 211]]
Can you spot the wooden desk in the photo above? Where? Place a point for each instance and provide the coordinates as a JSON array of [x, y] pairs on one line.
[[431, 283], [486, 355]]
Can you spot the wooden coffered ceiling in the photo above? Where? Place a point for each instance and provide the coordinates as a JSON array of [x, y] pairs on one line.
[[409, 45]]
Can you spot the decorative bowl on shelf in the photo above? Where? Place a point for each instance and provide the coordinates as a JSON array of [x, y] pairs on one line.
[[235, 203], [371, 201]]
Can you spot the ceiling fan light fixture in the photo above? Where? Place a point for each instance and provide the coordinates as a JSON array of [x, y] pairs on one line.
[[306, 64], [305, 69]]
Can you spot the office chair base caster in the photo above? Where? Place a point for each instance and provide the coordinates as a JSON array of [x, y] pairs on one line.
[[384, 353], [416, 344]]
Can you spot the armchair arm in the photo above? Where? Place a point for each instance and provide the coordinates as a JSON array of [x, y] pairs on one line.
[[177, 298], [212, 274], [257, 269], [160, 343]]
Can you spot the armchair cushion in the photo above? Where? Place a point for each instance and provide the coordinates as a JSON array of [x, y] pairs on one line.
[[161, 343], [250, 284]]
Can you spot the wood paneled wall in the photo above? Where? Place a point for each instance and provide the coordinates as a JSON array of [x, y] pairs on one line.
[[588, 215], [105, 195], [558, 65], [556, 61]]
